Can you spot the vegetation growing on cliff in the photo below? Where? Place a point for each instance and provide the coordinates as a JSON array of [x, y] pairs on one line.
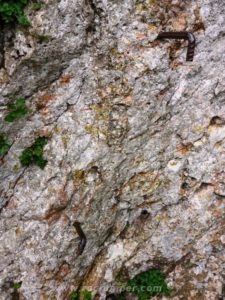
[[4, 145], [84, 295], [148, 284], [145, 285], [13, 11], [17, 285], [17, 110], [34, 154]]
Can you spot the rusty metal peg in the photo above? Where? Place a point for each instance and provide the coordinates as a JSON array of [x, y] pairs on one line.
[[184, 35], [82, 237]]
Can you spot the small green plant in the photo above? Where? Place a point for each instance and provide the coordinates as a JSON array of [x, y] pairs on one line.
[[85, 295], [12, 11], [4, 145], [73, 296], [34, 154], [17, 110], [148, 284], [17, 285]]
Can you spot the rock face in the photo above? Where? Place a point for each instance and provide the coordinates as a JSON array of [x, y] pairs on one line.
[[136, 148]]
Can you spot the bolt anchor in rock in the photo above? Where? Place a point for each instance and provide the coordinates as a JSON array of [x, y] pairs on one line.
[[189, 36], [82, 237]]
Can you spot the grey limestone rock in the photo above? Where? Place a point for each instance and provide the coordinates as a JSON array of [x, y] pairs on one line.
[[131, 126]]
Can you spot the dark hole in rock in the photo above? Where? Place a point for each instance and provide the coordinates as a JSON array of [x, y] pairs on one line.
[[144, 213]]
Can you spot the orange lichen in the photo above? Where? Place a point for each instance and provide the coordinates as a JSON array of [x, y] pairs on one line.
[[140, 36], [65, 79], [44, 100], [183, 149], [53, 217], [128, 101], [62, 272], [163, 92]]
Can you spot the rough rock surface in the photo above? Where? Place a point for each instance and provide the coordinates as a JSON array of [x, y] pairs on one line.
[[131, 126]]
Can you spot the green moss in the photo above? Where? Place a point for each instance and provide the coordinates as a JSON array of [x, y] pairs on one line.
[[34, 154], [12, 11], [73, 296], [85, 295], [4, 145], [17, 110], [17, 285], [148, 284]]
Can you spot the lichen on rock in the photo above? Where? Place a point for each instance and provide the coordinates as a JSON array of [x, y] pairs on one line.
[[132, 127]]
